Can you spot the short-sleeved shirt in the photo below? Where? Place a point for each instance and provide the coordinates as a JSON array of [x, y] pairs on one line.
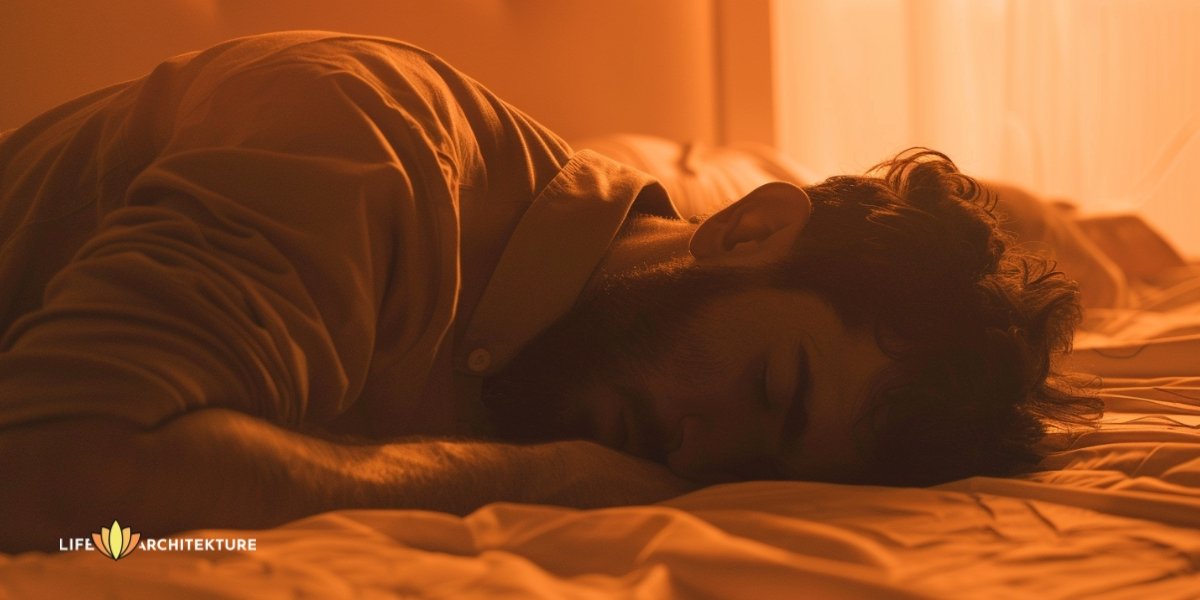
[[314, 228]]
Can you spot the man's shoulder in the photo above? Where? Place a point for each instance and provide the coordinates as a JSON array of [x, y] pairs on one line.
[[318, 53], [309, 44]]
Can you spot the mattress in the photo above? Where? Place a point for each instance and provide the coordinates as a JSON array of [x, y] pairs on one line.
[[1115, 513]]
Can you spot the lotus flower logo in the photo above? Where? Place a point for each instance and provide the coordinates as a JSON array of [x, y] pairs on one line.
[[114, 542]]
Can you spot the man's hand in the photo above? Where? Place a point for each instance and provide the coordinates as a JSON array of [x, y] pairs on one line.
[[220, 468]]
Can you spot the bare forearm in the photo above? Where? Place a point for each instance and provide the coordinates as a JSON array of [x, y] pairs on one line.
[[218, 468], [293, 475]]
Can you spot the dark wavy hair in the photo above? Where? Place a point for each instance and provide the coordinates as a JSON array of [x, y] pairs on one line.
[[912, 251]]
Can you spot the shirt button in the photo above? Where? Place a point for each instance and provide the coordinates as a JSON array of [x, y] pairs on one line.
[[479, 360]]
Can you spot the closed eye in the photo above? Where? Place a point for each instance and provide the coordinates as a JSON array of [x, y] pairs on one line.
[[797, 415], [764, 393]]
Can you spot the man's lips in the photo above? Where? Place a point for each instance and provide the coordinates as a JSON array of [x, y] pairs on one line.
[[652, 442], [640, 437], [635, 442], [634, 427]]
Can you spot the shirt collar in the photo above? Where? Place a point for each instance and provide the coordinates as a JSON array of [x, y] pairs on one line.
[[552, 254]]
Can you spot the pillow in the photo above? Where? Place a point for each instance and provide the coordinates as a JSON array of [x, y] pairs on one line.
[[700, 178]]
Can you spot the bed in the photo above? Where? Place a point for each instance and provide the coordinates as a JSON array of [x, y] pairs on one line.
[[1115, 513]]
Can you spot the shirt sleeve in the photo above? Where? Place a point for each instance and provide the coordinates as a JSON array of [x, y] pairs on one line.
[[247, 268]]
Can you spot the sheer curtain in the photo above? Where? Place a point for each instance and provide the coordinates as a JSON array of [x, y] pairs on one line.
[[1093, 100]]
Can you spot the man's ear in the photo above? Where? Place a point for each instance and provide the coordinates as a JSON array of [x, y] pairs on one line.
[[758, 228]]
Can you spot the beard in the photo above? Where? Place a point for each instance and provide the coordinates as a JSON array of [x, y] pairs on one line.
[[613, 337]]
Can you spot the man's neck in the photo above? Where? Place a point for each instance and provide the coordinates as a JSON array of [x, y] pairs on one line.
[[645, 242]]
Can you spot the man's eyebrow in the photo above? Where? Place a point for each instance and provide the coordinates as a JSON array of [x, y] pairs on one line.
[[797, 414]]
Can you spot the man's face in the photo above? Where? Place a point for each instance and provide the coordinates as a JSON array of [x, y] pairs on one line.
[[673, 366]]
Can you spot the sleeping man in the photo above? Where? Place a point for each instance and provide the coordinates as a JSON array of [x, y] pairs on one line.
[[302, 272]]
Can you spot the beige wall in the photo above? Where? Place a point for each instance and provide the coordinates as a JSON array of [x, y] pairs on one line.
[[582, 67]]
